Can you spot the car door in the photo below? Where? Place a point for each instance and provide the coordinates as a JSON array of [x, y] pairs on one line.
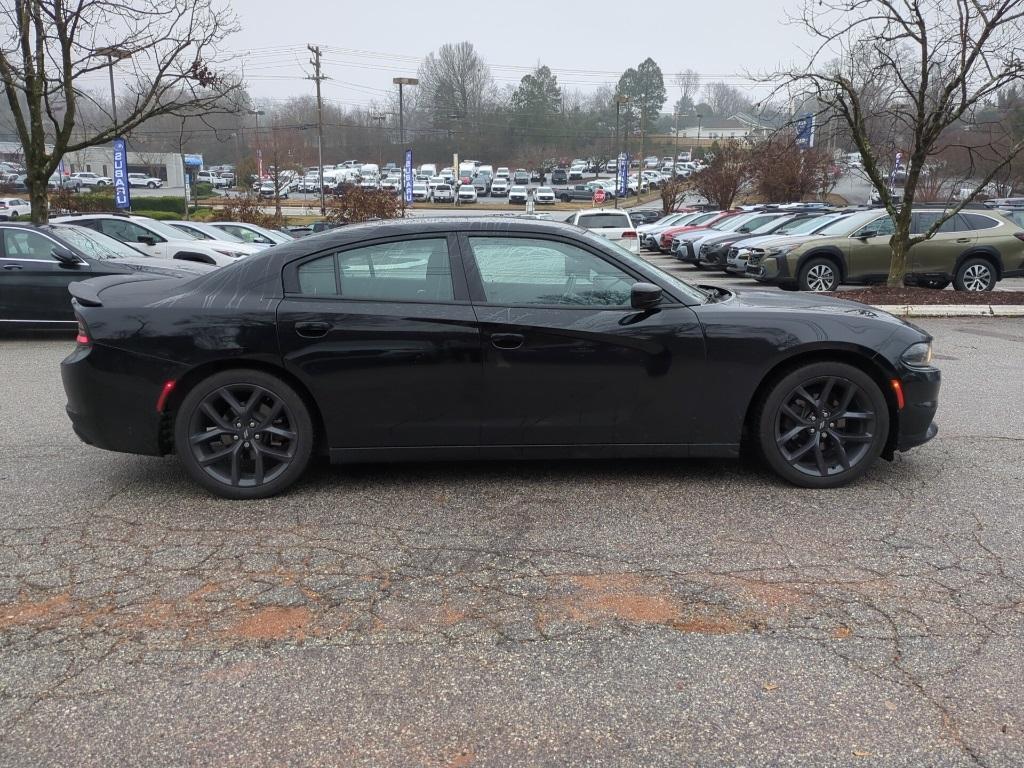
[[33, 284], [938, 255], [141, 238], [870, 254], [567, 360], [384, 336]]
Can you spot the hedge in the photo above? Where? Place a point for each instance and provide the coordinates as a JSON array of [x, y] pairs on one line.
[[100, 201]]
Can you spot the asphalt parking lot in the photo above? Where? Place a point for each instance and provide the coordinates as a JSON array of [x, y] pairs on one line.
[[598, 613]]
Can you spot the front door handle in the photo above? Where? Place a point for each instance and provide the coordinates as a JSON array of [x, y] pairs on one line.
[[312, 330], [963, 239], [507, 340], [12, 267]]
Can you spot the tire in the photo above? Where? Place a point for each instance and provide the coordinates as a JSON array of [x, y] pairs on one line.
[[819, 274], [284, 449], [784, 421], [14, 216], [151, 185], [975, 274]]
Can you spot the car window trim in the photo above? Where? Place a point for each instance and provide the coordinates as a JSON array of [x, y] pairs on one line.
[[290, 270], [479, 297], [50, 259]]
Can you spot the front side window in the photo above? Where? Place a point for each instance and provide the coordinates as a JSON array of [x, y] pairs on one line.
[[410, 270], [125, 231], [527, 271], [881, 226], [25, 244]]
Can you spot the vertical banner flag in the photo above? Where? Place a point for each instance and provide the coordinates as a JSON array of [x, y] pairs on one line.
[[623, 174], [805, 131], [407, 176], [122, 192]]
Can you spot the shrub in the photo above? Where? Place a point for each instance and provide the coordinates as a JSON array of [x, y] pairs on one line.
[[355, 204], [246, 209]]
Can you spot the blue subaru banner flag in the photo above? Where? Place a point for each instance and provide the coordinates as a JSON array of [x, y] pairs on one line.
[[805, 131], [623, 174], [122, 191], [407, 176]]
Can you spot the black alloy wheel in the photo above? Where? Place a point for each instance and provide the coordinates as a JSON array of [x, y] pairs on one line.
[[243, 434], [823, 425]]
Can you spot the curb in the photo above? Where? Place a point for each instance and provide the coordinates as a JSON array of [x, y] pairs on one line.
[[952, 310]]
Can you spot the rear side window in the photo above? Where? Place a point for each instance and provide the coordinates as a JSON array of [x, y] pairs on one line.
[[412, 270], [922, 222], [977, 221], [602, 220]]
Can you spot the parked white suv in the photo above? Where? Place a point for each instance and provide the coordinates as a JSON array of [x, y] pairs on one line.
[[144, 180], [155, 238], [88, 179], [211, 178], [611, 223]]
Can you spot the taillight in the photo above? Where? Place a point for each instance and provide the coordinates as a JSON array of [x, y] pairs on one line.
[[1019, 235], [629, 234], [83, 333]]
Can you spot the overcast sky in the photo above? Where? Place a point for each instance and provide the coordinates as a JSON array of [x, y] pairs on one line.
[[366, 43]]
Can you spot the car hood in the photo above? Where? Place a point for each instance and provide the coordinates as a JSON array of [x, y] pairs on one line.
[[784, 240], [798, 301]]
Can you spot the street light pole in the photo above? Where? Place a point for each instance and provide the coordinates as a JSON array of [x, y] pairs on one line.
[[259, 152], [401, 82], [619, 101], [113, 53]]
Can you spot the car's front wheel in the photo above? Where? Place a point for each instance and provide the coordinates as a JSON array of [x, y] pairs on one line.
[[243, 434], [822, 425], [975, 275], [819, 275]]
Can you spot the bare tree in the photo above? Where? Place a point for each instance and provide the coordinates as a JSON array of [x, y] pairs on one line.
[[455, 80], [689, 86], [728, 174], [919, 71], [724, 99], [165, 47]]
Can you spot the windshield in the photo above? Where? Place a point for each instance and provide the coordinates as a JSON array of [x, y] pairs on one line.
[[806, 226], [732, 223], [95, 244], [848, 224], [545, 190], [684, 289], [203, 231]]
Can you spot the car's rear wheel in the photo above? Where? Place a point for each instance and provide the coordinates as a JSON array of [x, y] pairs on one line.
[[822, 425], [819, 275], [243, 434], [975, 275]]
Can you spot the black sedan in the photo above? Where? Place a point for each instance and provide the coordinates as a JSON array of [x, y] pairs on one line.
[[38, 263], [502, 339]]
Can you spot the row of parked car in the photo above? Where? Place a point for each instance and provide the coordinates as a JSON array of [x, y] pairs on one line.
[[819, 249], [37, 263]]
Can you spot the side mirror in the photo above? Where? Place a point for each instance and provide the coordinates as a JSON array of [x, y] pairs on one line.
[[147, 239], [743, 229], [866, 234], [644, 296], [64, 256]]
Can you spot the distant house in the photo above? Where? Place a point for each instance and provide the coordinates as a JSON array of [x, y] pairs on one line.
[[739, 126]]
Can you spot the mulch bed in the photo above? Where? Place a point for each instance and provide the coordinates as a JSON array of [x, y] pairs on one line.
[[881, 295]]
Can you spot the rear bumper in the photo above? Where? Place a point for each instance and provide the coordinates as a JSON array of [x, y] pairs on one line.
[[112, 397]]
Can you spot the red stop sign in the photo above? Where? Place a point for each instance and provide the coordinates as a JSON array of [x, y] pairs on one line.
[[599, 195]]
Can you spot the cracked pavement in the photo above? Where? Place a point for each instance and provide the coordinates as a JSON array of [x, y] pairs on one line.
[[600, 613]]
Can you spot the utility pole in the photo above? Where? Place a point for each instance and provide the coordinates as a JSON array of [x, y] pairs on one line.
[[379, 119], [619, 101], [317, 77], [401, 82]]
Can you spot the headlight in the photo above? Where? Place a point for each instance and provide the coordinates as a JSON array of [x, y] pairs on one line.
[[918, 355]]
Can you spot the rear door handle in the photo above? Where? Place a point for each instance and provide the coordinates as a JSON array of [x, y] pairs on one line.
[[312, 330], [12, 267], [963, 239], [507, 340]]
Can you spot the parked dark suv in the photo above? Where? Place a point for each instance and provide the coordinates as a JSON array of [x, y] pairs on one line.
[[559, 176], [974, 250]]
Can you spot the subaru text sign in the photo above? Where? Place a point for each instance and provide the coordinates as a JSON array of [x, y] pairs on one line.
[[623, 174], [407, 176], [805, 131], [122, 192]]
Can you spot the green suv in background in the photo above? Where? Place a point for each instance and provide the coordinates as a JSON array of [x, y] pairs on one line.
[[974, 250]]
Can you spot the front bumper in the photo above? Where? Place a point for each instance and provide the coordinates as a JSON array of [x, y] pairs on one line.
[[921, 397]]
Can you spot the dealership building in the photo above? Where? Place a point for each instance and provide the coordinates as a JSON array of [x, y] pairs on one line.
[[168, 166]]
